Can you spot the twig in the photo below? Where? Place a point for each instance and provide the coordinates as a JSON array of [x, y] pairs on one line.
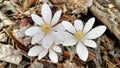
[[18, 43]]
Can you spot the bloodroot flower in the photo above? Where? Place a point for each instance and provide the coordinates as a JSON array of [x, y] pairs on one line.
[[41, 52], [82, 36], [45, 32]]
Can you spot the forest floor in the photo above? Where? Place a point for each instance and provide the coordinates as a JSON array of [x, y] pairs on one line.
[[15, 18]]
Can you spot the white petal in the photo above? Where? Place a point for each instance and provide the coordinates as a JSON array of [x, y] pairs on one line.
[[33, 31], [37, 38], [69, 42], [37, 19], [89, 25], [47, 41], [82, 51], [56, 48], [34, 51], [90, 43], [59, 32], [53, 56], [56, 17], [42, 54], [96, 32], [46, 13], [67, 35], [57, 36], [59, 27], [78, 25], [68, 26]]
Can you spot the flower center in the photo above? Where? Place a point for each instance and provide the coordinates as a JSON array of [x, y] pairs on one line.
[[46, 27], [79, 35]]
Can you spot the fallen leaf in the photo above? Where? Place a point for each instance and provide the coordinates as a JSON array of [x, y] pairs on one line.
[[109, 64], [107, 42], [27, 4], [90, 57], [66, 54], [36, 65], [69, 64], [3, 64], [9, 54], [24, 20], [60, 65], [116, 60], [23, 64], [115, 53]]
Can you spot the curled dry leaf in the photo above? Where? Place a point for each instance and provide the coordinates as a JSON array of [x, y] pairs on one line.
[[9, 54], [27, 4], [36, 65]]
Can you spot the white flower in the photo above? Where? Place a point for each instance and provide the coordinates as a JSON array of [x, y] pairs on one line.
[[47, 31], [82, 36], [41, 52]]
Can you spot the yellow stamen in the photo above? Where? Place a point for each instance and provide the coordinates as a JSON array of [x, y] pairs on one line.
[[46, 27], [79, 35]]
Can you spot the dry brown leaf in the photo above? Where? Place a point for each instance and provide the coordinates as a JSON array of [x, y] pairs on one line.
[[27, 4], [3, 64], [115, 53], [36, 65], [107, 42], [9, 54], [60, 65], [109, 64], [69, 64], [91, 56], [23, 64]]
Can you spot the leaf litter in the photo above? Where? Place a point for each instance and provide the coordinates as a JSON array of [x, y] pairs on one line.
[[14, 44]]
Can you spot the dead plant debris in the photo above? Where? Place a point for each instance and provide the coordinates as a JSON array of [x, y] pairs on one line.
[[15, 18]]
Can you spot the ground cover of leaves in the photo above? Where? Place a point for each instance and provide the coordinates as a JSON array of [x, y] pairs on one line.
[[14, 45]]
